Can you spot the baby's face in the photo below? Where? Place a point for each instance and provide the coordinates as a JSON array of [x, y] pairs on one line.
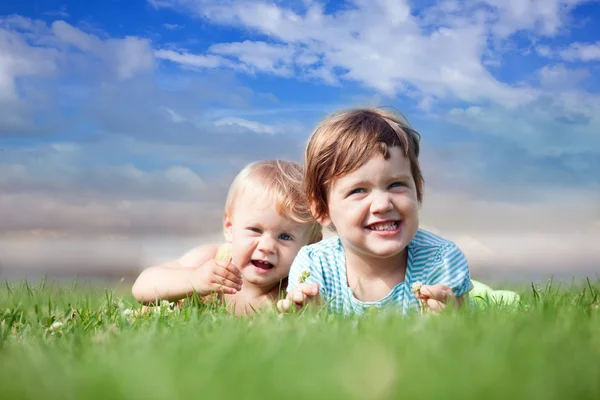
[[264, 243]]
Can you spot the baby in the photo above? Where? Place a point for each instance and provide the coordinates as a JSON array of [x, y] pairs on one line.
[[266, 221]]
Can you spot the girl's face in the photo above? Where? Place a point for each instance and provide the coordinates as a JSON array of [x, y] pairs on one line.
[[374, 209], [264, 243]]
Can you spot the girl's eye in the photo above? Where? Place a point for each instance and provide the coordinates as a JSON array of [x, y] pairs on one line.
[[355, 191], [285, 236], [255, 230], [397, 184]]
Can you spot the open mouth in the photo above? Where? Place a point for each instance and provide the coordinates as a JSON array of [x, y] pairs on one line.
[[389, 226], [262, 265]]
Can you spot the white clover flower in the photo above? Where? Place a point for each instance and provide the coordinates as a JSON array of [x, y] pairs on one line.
[[56, 325], [416, 287], [166, 303], [128, 312]]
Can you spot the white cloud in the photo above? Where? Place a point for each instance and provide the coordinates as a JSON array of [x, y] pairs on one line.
[[558, 123], [19, 59], [543, 50], [61, 13], [250, 125], [560, 77], [33, 50], [128, 56], [582, 52], [173, 27], [443, 62], [261, 56], [545, 17], [175, 117], [191, 60]]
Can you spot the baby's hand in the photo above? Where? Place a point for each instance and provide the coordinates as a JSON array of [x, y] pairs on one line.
[[435, 297], [303, 295], [217, 276]]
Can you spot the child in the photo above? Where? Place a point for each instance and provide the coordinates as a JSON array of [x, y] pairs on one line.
[[363, 179], [266, 222]]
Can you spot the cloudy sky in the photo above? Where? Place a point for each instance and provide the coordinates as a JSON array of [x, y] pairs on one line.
[[126, 120]]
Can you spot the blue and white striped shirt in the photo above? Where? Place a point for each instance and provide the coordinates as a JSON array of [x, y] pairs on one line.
[[431, 260]]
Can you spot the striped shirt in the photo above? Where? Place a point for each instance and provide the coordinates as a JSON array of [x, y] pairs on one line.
[[431, 260]]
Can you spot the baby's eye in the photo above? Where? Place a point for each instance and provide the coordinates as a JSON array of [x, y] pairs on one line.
[[253, 229], [285, 236]]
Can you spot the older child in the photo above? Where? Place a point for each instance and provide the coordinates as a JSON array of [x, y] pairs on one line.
[[363, 180], [266, 222]]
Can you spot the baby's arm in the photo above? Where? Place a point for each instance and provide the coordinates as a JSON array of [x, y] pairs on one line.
[[173, 280]]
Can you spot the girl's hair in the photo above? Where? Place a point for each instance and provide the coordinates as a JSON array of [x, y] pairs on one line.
[[281, 181], [348, 139]]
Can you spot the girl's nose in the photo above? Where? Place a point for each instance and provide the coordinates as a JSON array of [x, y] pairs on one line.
[[381, 202]]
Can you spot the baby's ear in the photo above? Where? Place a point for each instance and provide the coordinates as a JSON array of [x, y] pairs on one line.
[[227, 228]]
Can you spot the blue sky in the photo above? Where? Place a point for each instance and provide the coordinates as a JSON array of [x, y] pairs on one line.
[[129, 117]]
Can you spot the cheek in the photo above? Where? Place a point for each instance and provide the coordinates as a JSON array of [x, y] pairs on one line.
[[288, 254]]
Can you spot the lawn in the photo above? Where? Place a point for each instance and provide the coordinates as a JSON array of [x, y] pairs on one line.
[[80, 341]]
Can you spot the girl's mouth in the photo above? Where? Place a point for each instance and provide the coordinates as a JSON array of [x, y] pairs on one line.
[[384, 226], [385, 229]]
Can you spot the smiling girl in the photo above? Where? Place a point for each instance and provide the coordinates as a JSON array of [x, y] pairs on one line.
[[363, 180]]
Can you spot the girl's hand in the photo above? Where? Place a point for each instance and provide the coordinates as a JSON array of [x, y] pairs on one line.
[[435, 297], [304, 294]]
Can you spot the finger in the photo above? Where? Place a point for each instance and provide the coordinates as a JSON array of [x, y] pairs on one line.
[[244, 258], [298, 297], [284, 305], [436, 292], [311, 289], [223, 283], [436, 306], [229, 266], [223, 289], [226, 274], [232, 268]]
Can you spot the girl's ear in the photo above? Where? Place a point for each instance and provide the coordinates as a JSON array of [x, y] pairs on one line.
[[323, 219], [228, 228]]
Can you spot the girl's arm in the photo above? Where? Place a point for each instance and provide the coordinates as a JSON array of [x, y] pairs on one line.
[[173, 280]]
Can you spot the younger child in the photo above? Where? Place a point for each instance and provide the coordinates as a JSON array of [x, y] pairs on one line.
[[266, 222], [363, 179]]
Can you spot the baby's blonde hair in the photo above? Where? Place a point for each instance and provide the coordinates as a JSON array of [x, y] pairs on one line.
[[281, 181]]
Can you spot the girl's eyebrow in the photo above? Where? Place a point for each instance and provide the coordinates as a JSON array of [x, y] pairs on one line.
[[358, 182], [400, 177]]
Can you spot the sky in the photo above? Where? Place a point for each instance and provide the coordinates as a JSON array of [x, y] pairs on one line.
[[124, 121]]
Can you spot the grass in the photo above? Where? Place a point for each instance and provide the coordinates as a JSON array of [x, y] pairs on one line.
[[548, 347]]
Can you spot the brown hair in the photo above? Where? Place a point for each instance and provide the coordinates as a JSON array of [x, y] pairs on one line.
[[346, 140], [281, 181]]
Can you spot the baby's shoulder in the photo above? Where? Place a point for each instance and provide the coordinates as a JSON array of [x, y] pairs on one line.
[[199, 255]]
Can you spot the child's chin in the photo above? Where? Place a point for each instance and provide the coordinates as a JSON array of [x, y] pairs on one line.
[[390, 250], [262, 278]]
